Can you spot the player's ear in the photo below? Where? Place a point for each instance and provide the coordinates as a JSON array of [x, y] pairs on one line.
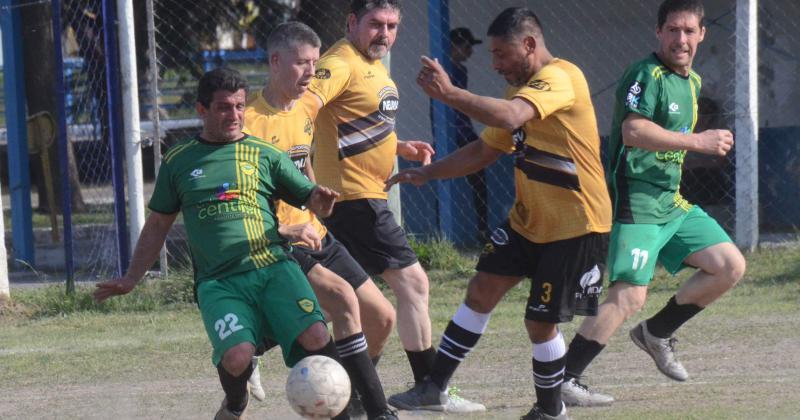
[[702, 33], [529, 43], [352, 21], [273, 59], [201, 110]]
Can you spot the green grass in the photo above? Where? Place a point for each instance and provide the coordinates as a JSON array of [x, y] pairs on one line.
[[147, 355]]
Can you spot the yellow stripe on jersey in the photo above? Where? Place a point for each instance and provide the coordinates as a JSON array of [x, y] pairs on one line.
[[173, 151], [694, 90], [697, 79], [658, 72], [681, 202], [247, 158]]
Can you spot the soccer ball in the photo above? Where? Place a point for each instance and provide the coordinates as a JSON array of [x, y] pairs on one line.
[[318, 387]]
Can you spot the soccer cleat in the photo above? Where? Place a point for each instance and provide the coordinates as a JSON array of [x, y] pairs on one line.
[[387, 414], [458, 404], [225, 414], [662, 350], [423, 396], [537, 413], [254, 382], [574, 393]]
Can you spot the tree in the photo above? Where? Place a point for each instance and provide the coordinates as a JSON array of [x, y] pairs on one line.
[[37, 38]]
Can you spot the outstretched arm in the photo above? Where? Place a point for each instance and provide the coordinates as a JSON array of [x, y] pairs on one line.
[[464, 161], [494, 112], [640, 132], [147, 249]]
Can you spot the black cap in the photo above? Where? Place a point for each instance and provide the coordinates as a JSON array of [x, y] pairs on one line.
[[463, 36]]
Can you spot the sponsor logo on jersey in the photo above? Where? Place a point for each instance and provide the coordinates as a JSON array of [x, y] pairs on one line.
[[306, 305], [674, 108], [227, 192], [519, 137], [274, 140], [389, 103], [634, 95], [539, 85], [247, 168], [197, 173], [369, 75], [322, 74], [499, 237], [672, 156]]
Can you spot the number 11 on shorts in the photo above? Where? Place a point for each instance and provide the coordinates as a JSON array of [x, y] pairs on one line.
[[639, 258]]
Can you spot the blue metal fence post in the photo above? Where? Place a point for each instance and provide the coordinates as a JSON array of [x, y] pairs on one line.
[[17, 132], [63, 147], [439, 44], [115, 131]]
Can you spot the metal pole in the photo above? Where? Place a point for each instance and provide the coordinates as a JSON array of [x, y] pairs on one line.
[[114, 132], [747, 124], [63, 150], [439, 41], [18, 170], [156, 115], [130, 110]]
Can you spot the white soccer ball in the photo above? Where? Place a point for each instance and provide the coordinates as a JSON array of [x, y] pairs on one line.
[[318, 387]]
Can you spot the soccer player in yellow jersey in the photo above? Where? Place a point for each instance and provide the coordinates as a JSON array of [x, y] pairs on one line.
[[557, 231], [282, 113], [356, 146]]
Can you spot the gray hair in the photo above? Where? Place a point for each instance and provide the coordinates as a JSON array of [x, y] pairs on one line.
[[291, 34]]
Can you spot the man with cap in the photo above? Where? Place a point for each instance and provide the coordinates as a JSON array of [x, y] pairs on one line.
[[461, 42]]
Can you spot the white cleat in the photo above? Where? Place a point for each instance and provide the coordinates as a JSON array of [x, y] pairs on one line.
[[254, 382]]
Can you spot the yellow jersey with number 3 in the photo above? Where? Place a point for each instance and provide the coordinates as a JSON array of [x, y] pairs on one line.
[[560, 187], [355, 139], [291, 131]]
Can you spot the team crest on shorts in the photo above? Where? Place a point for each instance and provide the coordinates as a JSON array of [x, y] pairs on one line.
[[307, 305], [500, 237]]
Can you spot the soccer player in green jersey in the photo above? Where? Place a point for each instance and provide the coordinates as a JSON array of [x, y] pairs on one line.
[[654, 118], [248, 289]]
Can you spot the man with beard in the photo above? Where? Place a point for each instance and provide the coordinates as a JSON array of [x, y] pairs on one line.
[[356, 147], [557, 230]]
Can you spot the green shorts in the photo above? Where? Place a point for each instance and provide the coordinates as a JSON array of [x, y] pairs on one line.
[[274, 302], [635, 248]]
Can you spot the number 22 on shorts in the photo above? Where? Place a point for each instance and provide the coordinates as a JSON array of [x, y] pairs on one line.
[[227, 325]]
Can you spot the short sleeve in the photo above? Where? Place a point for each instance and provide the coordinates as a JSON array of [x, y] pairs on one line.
[[165, 197], [292, 186], [498, 138], [550, 90], [331, 78], [639, 91]]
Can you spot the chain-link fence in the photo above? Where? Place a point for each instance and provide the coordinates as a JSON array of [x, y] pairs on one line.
[[179, 39]]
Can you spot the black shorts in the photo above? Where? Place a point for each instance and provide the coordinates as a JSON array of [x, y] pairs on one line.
[[334, 257], [566, 276], [368, 230]]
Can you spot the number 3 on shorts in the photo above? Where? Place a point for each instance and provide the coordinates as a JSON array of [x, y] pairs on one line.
[[227, 325], [639, 258]]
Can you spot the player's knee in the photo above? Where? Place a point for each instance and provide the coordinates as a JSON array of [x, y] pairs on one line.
[[314, 337], [735, 266], [479, 303], [628, 299], [238, 358]]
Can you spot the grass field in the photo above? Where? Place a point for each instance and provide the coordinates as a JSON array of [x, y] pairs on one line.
[[146, 356]]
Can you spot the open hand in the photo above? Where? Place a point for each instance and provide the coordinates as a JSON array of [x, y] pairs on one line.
[[322, 200], [116, 287], [416, 176], [415, 150], [433, 79]]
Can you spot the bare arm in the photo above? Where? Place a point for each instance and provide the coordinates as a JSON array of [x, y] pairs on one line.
[[147, 249], [464, 161], [310, 171], [321, 201], [640, 132], [495, 112]]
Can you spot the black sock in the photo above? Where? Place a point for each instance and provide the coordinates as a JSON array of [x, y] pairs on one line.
[[580, 354], [456, 343], [421, 362], [547, 378], [376, 359], [265, 346], [670, 318], [235, 387], [356, 361]]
